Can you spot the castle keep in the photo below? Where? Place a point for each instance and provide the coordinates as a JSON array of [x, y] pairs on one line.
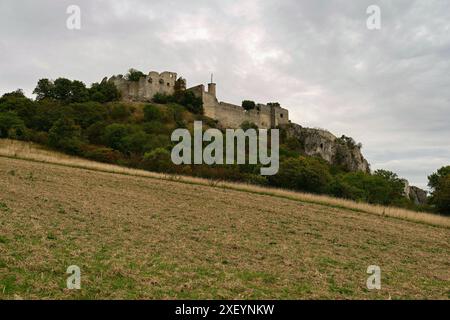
[[228, 115], [146, 87]]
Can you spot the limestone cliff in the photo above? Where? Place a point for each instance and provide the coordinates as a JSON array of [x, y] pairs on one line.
[[337, 151], [415, 194]]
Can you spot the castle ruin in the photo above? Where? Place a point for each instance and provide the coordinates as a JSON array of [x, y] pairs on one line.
[[228, 115]]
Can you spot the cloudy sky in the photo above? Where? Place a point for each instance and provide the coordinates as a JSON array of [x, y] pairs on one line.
[[387, 88]]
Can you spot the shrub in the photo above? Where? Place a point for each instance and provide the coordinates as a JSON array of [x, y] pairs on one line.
[[114, 134], [134, 75], [158, 160], [104, 92], [307, 174], [65, 135], [102, 154], [120, 112], [161, 98], [151, 113]]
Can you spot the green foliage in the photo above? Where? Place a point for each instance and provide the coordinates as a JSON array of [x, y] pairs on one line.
[[435, 178], [191, 102], [187, 99], [162, 98], [68, 91], [439, 182], [65, 135], [151, 113], [114, 136], [396, 185], [88, 122], [11, 126], [248, 104], [158, 160], [134, 75], [306, 174], [362, 186], [119, 112], [104, 92], [44, 89]]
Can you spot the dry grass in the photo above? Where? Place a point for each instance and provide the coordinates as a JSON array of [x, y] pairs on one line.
[[17, 149], [141, 238]]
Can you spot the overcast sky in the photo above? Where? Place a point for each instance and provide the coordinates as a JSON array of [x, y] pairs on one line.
[[387, 88]]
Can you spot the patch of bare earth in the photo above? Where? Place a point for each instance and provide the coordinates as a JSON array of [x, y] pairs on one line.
[[144, 238]]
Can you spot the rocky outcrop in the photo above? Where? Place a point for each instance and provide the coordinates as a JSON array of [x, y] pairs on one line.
[[415, 194], [342, 151]]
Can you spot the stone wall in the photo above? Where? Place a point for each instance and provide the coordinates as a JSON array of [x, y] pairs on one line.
[[232, 116], [144, 89]]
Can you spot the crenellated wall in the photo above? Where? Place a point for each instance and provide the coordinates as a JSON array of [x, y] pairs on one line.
[[232, 116], [228, 115], [146, 87]]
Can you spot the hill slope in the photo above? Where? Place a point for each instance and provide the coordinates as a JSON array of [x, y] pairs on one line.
[[138, 237]]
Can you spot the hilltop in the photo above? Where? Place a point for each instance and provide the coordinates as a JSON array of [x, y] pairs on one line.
[[129, 121]]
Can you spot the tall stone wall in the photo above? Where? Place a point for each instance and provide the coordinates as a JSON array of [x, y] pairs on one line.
[[232, 116], [146, 87]]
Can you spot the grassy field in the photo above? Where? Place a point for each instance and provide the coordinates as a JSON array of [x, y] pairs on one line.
[[146, 236]]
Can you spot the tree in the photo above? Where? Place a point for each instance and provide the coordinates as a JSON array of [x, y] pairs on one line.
[[44, 89], [104, 92], [62, 89], [396, 185], [134, 75], [114, 135], [192, 103], [65, 135], [248, 105], [441, 195], [439, 182], [434, 178], [307, 174], [11, 126], [78, 92]]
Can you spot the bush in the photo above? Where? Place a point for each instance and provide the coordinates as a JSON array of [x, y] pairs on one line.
[[65, 135], [134, 75], [101, 154], [120, 112], [151, 113], [158, 160], [306, 174], [104, 92], [114, 135]]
